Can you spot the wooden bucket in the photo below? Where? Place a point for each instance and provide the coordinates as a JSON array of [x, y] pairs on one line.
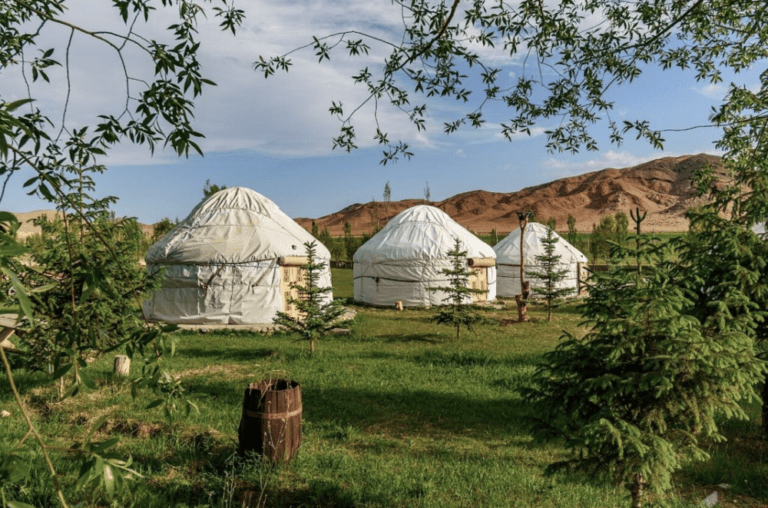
[[271, 421]]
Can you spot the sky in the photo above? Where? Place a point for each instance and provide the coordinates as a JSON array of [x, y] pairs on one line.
[[275, 135]]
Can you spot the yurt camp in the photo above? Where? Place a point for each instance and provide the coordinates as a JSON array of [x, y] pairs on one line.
[[231, 261], [508, 261], [407, 258]]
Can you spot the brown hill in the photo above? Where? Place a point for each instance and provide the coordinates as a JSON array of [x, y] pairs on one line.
[[661, 187]]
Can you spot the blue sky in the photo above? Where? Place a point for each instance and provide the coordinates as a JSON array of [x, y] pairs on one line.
[[274, 135]]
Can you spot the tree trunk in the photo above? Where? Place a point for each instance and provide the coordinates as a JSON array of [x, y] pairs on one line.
[[636, 490], [765, 409], [458, 333], [522, 309]]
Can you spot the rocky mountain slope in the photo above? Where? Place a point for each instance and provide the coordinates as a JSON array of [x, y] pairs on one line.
[[661, 187]]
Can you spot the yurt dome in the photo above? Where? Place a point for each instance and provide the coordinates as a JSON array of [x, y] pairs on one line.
[[508, 261], [406, 258], [231, 261]]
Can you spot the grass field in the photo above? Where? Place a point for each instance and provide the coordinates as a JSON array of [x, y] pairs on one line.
[[396, 414]]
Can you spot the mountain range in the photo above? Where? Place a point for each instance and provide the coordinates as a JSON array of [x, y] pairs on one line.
[[661, 187]]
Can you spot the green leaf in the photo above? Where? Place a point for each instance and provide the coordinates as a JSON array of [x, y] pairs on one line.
[[19, 504], [62, 370], [21, 295], [109, 480], [155, 403], [95, 428]]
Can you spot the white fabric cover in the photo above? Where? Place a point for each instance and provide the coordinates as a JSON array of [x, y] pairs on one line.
[[221, 261], [508, 260], [406, 258]]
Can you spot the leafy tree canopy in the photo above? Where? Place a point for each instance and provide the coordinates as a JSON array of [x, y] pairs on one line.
[[574, 52]]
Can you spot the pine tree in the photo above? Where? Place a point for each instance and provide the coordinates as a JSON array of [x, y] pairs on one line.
[[718, 255], [633, 396], [317, 316], [457, 312], [548, 279]]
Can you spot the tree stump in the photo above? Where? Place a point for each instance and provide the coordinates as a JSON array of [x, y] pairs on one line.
[[398, 305], [122, 366], [271, 420], [522, 309]]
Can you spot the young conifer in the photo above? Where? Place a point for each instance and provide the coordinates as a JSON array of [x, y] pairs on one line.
[[633, 397], [547, 281], [457, 312], [317, 316]]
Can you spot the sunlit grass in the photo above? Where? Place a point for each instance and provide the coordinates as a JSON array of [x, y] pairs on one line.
[[397, 413]]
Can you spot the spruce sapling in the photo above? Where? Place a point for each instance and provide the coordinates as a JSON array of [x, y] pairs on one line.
[[457, 313], [633, 396], [316, 316], [550, 277]]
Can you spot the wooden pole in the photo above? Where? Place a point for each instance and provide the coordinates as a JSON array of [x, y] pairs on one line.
[[522, 305], [122, 366], [523, 223]]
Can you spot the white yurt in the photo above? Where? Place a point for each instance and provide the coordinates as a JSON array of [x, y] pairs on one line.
[[508, 261], [406, 258], [231, 261]]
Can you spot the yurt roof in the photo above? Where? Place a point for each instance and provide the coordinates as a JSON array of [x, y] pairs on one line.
[[508, 249], [235, 225], [420, 233]]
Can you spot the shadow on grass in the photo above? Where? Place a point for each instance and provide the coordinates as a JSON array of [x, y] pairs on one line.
[[320, 493], [428, 338], [474, 359], [414, 412], [235, 354]]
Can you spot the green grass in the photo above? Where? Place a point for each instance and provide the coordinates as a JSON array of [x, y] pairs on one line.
[[343, 283], [396, 414]]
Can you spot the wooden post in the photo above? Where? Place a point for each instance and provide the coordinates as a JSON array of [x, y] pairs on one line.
[[122, 366]]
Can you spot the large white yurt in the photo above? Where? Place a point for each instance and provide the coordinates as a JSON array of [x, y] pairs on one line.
[[406, 258], [231, 261], [508, 261]]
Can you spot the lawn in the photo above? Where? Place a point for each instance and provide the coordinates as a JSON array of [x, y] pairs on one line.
[[397, 413]]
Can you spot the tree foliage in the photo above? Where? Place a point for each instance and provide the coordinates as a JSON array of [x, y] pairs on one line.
[[318, 312], [209, 189], [162, 227], [547, 281], [572, 232], [633, 396], [725, 269], [586, 47], [457, 310], [84, 297]]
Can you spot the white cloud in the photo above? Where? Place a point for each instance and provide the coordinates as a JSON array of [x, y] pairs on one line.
[[713, 90], [560, 168]]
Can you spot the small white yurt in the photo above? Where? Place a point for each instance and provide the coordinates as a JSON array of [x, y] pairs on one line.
[[406, 258], [508, 261], [231, 261]]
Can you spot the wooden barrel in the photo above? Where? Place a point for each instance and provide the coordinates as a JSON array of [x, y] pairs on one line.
[[271, 421]]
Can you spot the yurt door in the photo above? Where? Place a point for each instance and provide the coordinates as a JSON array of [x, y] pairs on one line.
[[479, 277], [583, 275], [291, 273]]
